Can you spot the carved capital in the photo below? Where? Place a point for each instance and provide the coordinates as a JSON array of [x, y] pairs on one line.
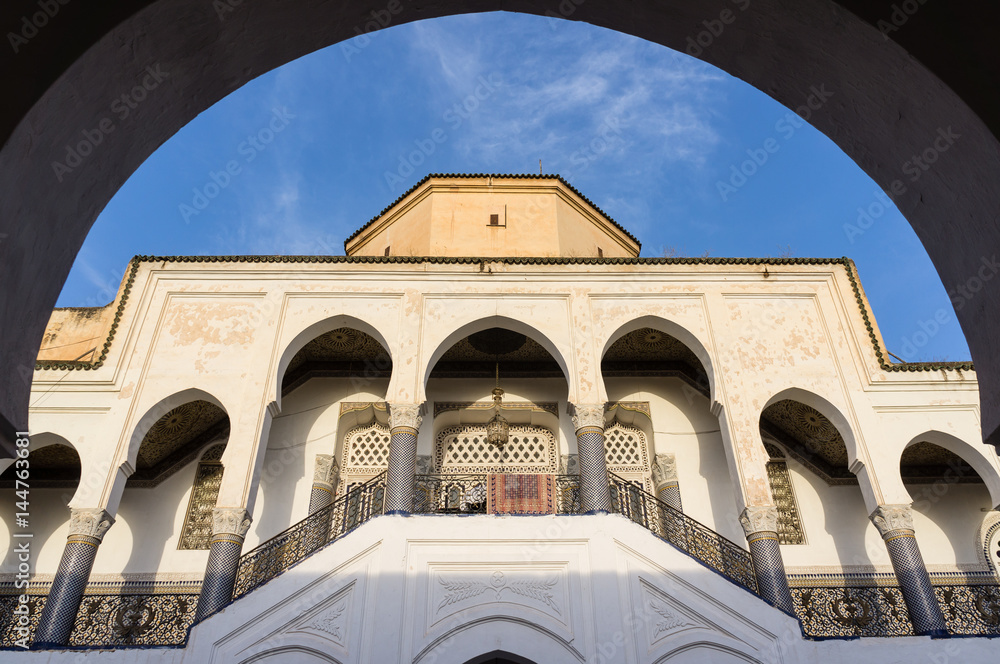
[[230, 521], [404, 415], [569, 464], [588, 415], [326, 470], [888, 518], [664, 469], [93, 522], [759, 519]]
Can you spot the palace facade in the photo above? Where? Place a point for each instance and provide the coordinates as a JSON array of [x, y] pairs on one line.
[[492, 432]]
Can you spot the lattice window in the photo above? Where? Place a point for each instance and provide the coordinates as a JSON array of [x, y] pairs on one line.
[[463, 449], [625, 449], [789, 526], [366, 448], [197, 531]]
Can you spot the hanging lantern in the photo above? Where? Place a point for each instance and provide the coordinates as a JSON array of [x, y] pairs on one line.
[[497, 429]]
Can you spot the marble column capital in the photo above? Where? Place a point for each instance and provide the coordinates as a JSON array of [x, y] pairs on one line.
[[890, 518], [326, 470], [404, 415], [231, 521], [90, 522], [759, 519], [664, 469], [588, 415]]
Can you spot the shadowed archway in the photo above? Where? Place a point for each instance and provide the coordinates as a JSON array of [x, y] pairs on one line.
[[895, 87]]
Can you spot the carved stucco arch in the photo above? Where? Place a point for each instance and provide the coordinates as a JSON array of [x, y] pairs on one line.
[[319, 328], [677, 331], [977, 456], [886, 107], [561, 352], [518, 636]]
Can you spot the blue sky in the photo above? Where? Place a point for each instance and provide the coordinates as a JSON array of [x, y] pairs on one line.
[[651, 135]]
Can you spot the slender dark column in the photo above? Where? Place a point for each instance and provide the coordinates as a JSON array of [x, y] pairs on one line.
[[404, 423], [87, 528], [665, 480], [760, 523], [895, 525], [229, 529], [595, 494]]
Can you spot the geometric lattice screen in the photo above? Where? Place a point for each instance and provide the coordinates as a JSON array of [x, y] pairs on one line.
[[463, 449], [366, 449], [625, 449], [197, 531], [789, 525]]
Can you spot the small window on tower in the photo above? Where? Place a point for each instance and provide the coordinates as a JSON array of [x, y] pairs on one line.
[[494, 220], [387, 251]]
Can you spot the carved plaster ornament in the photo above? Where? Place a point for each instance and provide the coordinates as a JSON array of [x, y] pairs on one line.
[[588, 415], [759, 519], [404, 415], [888, 518], [230, 521], [424, 464], [664, 469], [326, 470], [569, 464], [90, 522]]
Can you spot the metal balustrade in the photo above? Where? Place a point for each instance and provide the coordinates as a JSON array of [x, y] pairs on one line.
[[277, 554], [134, 620], [696, 539]]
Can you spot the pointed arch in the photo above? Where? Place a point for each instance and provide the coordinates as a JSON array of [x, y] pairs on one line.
[[560, 355], [675, 330], [977, 456], [825, 408], [156, 412], [317, 329]]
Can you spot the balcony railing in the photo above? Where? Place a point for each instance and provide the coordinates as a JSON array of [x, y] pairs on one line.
[[697, 540], [124, 620], [276, 555]]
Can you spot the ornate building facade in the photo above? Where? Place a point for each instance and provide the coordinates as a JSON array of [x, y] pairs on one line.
[[256, 459]]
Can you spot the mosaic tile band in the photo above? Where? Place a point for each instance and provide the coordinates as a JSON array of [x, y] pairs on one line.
[[921, 602], [220, 574], [772, 582], [595, 495], [670, 493], [402, 469], [59, 613]]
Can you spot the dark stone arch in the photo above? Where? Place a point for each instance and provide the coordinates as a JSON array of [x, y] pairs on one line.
[[896, 92]]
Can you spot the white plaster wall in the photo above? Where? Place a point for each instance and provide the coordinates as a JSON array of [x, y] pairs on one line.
[[49, 524]]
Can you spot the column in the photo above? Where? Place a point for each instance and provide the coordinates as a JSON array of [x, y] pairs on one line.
[[229, 529], [895, 525], [404, 423], [665, 480], [760, 523], [325, 476], [87, 528], [595, 494]]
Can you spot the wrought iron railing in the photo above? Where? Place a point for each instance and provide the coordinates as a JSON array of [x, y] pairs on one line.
[[276, 555], [568, 494], [450, 494], [697, 540]]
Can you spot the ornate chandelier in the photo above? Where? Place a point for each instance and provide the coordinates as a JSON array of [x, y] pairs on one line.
[[497, 429]]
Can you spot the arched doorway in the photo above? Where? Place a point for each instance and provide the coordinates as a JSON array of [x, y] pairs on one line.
[[875, 121]]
